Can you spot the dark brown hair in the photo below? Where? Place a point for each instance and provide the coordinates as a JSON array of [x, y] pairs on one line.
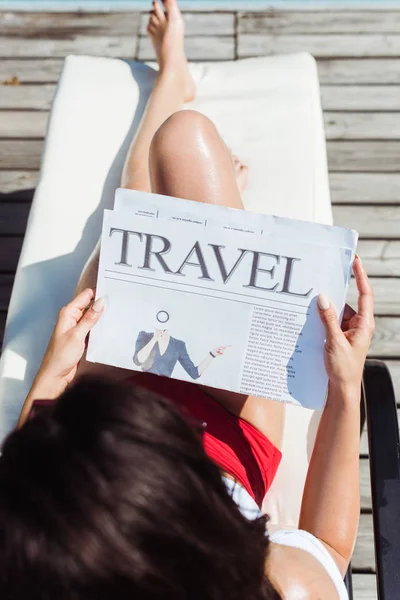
[[109, 495]]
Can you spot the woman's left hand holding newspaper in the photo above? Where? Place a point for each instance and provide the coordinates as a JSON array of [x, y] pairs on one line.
[[66, 347]]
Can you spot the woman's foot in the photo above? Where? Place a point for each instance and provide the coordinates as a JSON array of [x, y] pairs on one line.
[[166, 30], [241, 172]]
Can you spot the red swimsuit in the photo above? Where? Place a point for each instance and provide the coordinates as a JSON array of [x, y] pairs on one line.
[[233, 444]]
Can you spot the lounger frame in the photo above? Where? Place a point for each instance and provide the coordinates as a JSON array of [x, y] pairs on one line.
[[384, 456]]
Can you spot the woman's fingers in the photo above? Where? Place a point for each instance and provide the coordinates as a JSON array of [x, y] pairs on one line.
[[82, 300], [90, 317], [329, 318], [70, 314], [221, 349], [158, 10], [365, 292]]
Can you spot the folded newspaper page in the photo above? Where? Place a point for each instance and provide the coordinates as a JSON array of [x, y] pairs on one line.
[[222, 297]]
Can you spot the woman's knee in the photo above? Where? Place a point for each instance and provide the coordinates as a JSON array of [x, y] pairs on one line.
[[189, 159], [182, 131]]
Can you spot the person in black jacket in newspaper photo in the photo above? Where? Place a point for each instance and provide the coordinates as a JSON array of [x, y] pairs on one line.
[[158, 352], [130, 485]]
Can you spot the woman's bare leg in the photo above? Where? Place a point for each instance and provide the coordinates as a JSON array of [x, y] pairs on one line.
[[173, 87], [182, 154]]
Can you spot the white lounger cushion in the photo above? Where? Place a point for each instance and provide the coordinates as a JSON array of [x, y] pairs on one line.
[[268, 111]]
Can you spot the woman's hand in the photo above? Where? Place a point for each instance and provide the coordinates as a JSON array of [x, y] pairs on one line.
[[65, 349], [67, 343], [346, 348]]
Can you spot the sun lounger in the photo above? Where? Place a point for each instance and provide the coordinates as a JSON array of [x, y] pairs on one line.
[[268, 111]]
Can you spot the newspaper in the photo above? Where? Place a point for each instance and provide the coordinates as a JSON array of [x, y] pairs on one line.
[[223, 297]]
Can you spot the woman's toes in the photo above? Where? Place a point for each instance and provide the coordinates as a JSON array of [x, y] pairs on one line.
[[153, 21], [158, 10], [172, 8]]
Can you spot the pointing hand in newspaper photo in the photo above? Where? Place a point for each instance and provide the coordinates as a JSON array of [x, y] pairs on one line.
[[346, 347], [219, 351]]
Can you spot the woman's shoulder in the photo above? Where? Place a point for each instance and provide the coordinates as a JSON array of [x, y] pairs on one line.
[[296, 573], [143, 334]]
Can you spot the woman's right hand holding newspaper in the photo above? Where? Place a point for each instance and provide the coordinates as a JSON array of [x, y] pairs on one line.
[[346, 347]]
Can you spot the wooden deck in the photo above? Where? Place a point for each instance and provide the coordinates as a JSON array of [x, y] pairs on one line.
[[358, 57]]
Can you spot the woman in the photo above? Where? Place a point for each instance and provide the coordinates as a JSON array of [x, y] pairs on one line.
[[181, 154], [159, 352], [109, 494]]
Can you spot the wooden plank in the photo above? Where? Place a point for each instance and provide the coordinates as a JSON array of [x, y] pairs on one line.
[[370, 221], [387, 295], [364, 476], [10, 248], [364, 586], [365, 482], [365, 188], [20, 154], [380, 257], [197, 48], [386, 339], [363, 557], [331, 71], [353, 71], [361, 156], [13, 217], [36, 25], [43, 70], [31, 97], [18, 180], [338, 125], [334, 98], [108, 45], [359, 97], [344, 156], [362, 126], [319, 45], [23, 124], [344, 21], [204, 23], [63, 25]]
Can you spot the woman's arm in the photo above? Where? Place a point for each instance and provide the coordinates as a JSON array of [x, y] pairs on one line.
[[65, 349], [189, 366], [206, 362], [331, 500], [209, 358]]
